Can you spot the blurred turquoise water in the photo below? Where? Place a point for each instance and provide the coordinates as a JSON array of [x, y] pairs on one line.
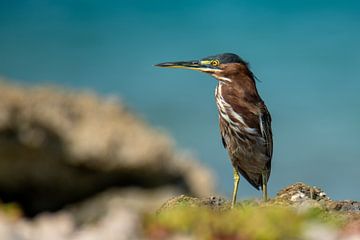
[[306, 54]]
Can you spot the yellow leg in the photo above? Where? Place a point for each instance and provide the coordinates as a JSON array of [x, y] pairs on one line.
[[264, 187], [236, 184]]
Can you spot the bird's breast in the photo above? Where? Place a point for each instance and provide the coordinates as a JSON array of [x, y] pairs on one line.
[[234, 119]]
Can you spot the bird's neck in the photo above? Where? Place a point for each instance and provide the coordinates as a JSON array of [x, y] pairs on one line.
[[239, 83]]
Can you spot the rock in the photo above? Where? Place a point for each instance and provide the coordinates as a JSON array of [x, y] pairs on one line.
[[213, 202], [300, 194], [345, 206], [101, 206], [299, 211], [58, 147], [121, 223]]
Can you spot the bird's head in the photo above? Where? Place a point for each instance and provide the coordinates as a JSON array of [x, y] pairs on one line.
[[220, 66]]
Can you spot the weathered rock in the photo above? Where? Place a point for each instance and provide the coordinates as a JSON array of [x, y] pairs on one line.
[[120, 224], [298, 211], [58, 147], [213, 202], [300, 194], [113, 214], [345, 206], [140, 201]]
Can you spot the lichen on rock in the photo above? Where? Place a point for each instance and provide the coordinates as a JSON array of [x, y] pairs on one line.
[[298, 211]]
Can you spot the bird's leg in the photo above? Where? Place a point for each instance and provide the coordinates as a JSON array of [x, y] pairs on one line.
[[264, 187], [236, 184]]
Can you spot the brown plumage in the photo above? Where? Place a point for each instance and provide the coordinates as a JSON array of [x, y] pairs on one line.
[[245, 122]]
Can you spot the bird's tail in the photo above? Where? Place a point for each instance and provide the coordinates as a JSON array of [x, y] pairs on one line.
[[255, 179]]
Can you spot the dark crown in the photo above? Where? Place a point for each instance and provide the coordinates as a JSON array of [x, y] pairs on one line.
[[226, 58]]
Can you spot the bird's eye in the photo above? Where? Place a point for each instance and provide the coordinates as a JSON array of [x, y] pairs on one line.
[[215, 62]]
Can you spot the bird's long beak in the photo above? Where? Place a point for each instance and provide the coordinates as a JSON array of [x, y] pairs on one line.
[[193, 65]]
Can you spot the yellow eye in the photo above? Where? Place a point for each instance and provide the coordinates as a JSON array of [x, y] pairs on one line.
[[215, 62]]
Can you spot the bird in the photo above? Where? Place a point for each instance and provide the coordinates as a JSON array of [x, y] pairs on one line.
[[244, 120]]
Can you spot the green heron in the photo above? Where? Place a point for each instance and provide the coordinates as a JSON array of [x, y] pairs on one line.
[[245, 122]]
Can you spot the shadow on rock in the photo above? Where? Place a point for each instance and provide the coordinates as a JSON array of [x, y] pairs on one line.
[[59, 147]]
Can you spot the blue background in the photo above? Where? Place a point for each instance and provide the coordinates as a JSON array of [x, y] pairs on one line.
[[306, 54]]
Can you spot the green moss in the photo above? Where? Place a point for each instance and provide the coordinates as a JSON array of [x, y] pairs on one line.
[[248, 220]]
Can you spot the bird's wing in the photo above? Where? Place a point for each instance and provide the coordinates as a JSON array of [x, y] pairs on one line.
[[265, 128]]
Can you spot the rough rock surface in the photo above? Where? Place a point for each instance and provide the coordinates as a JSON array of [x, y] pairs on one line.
[[299, 195], [298, 211], [115, 214], [59, 147], [84, 167], [302, 195]]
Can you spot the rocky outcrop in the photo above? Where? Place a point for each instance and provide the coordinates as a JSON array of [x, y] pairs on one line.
[[298, 195], [298, 211], [115, 214], [70, 157]]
